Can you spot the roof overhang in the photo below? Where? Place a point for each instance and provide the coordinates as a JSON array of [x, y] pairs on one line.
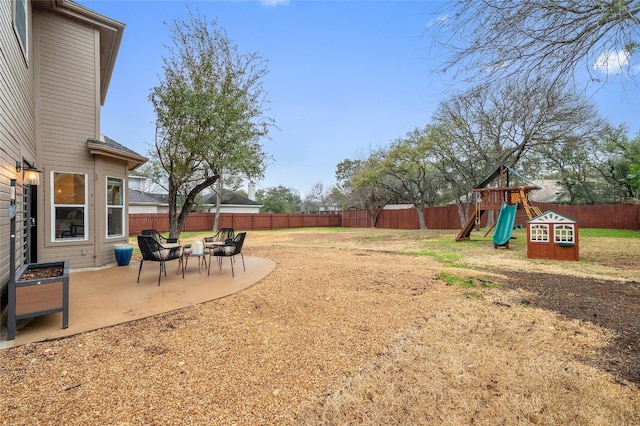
[[110, 35], [133, 160]]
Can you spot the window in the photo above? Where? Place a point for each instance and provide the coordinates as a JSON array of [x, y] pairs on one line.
[[563, 233], [69, 206], [539, 233], [115, 207], [21, 25]]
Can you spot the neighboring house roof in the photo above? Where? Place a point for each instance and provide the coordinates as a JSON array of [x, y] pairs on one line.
[[229, 197], [110, 148], [139, 197], [550, 192], [110, 35]]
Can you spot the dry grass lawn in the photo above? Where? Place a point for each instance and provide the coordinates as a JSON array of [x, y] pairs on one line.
[[351, 328]]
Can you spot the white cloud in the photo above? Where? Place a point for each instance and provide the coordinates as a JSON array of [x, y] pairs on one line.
[[274, 3], [442, 19], [611, 62]]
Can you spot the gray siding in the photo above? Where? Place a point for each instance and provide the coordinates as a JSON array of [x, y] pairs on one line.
[[67, 108], [49, 108], [17, 121], [105, 167]]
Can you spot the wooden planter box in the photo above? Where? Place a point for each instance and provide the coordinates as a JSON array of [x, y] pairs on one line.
[[31, 297]]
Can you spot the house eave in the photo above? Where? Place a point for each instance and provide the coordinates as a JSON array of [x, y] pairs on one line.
[[110, 35], [133, 161]]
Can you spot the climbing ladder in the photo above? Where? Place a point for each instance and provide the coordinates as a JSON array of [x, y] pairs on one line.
[[532, 211]]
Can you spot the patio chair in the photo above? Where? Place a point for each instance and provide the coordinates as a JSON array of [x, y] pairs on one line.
[[219, 238], [158, 237], [230, 250], [154, 251]]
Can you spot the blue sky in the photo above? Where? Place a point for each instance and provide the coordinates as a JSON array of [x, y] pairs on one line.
[[344, 76]]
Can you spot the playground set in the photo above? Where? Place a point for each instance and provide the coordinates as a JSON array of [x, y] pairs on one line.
[[505, 198], [549, 235]]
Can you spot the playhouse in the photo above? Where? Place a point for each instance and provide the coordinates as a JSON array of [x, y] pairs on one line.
[[552, 236]]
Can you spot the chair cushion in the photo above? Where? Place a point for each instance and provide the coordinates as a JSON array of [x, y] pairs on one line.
[[167, 253], [224, 250]]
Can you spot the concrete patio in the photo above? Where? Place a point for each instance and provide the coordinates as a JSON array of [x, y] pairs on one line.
[[109, 296]]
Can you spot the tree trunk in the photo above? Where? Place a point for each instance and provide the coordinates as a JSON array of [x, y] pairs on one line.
[[373, 211], [420, 211], [463, 213], [216, 220], [174, 227], [176, 221]]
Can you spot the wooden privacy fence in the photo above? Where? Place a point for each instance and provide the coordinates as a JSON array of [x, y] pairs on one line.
[[617, 216], [197, 222], [612, 216]]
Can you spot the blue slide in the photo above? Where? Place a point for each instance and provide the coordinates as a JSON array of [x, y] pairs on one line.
[[504, 227]]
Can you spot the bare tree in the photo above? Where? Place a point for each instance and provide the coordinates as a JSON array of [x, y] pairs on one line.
[[319, 198], [491, 40], [482, 128]]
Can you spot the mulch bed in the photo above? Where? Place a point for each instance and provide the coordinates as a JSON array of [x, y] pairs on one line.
[[613, 305], [42, 272]]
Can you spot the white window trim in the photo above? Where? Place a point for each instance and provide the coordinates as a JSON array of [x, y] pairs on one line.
[[535, 233], [107, 206], [24, 44], [564, 237], [85, 218]]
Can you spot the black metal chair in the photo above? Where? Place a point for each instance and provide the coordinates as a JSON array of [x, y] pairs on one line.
[[224, 235], [158, 236], [153, 251], [230, 249], [219, 238]]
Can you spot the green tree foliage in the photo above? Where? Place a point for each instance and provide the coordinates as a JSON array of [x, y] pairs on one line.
[[358, 187], [408, 170], [604, 169], [619, 163], [279, 199], [209, 109]]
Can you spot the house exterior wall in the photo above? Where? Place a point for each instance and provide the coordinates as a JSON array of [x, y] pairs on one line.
[[67, 108], [50, 98], [17, 119], [108, 167], [134, 209], [67, 56], [237, 209]]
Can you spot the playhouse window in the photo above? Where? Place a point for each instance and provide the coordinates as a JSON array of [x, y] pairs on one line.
[[115, 207], [539, 233], [69, 206], [563, 233]]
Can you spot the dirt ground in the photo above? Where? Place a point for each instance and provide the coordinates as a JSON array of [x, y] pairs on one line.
[[358, 327], [609, 304]]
